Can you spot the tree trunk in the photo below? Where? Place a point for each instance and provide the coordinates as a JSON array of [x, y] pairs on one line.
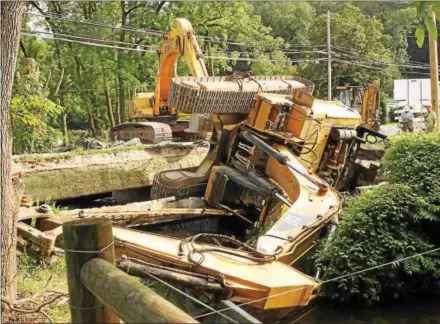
[[118, 114], [11, 15], [92, 125], [208, 50], [65, 133], [122, 113], [124, 17], [96, 116], [108, 99]]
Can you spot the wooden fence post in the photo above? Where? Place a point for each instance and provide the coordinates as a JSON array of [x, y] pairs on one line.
[[132, 301], [81, 238]]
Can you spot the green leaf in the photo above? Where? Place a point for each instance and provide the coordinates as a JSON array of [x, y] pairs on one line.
[[431, 27], [420, 35], [421, 8], [436, 8]]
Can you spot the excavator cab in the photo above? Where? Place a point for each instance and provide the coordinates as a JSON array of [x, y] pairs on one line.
[[351, 96], [364, 100], [141, 104]]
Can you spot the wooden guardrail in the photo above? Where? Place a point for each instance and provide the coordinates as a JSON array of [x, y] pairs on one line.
[[100, 292]]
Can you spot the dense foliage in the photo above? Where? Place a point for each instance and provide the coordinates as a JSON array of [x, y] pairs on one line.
[[415, 160], [388, 223], [91, 56], [31, 111]]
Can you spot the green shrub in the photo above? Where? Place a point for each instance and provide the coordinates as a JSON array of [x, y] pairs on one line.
[[414, 159], [380, 226]]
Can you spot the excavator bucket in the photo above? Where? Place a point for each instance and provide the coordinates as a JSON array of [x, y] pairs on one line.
[[230, 94]]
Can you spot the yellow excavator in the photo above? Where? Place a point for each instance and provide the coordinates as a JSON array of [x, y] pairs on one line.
[[154, 107], [363, 99]]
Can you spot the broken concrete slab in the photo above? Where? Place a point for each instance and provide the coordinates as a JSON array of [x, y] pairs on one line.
[[52, 177]]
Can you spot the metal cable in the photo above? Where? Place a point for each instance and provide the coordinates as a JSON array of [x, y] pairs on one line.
[[91, 38], [287, 60], [159, 33], [187, 295]]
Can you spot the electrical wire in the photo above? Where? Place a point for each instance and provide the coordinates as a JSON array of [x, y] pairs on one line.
[[329, 280], [134, 45], [373, 67], [88, 43], [351, 51], [100, 24], [86, 37], [287, 60], [374, 61], [160, 33]]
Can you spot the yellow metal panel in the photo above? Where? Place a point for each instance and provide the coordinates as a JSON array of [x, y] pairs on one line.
[[263, 115], [314, 146], [254, 113], [302, 98], [141, 106], [298, 115]]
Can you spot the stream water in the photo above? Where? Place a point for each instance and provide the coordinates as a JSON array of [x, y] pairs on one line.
[[423, 309]]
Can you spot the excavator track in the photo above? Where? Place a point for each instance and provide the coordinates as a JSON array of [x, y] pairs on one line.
[[162, 184], [230, 94], [147, 132]]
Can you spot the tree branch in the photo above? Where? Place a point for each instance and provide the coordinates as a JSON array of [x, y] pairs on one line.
[[216, 18], [38, 7], [23, 49], [133, 8], [59, 83], [212, 25], [160, 6]]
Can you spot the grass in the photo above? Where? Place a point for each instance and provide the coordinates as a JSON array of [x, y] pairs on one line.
[[36, 278]]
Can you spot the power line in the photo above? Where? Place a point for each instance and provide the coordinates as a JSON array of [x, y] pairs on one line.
[[374, 67], [88, 43], [281, 50], [373, 61], [92, 38], [160, 33], [189, 296], [228, 58], [99, 24], [85, 37], [352, 51]]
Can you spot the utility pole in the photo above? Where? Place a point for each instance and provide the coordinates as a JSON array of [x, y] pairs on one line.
[[329, 61], [433, 62]]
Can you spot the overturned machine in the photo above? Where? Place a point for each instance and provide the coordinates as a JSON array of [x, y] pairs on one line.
[[277, 160], [274, 166]]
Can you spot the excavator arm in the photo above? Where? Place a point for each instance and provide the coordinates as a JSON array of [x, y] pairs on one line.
[[370, 104], [181, 41]]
